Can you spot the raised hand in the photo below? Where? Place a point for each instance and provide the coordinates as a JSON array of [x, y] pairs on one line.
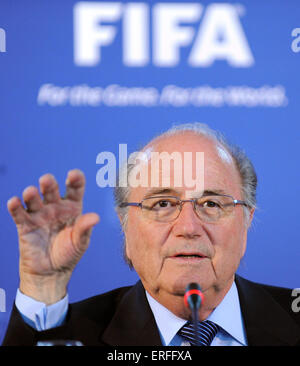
[[53, 235]]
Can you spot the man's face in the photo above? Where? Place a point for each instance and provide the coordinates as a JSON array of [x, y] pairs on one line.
[[157, 249]]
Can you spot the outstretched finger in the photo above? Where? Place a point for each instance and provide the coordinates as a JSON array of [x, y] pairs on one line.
[[75, 184], [17, 211], [32, 199], [49, 188], [82, 230]]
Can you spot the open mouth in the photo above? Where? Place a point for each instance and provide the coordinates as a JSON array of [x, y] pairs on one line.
[[189, 256]]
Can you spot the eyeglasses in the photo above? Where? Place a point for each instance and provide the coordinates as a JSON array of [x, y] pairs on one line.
[[210, 208]]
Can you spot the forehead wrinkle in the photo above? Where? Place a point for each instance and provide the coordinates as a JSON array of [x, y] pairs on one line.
[[206, 192]]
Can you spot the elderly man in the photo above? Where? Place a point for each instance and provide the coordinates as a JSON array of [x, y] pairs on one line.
[[174, 235]]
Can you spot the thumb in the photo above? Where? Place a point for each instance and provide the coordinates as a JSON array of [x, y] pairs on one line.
[[82, 230]]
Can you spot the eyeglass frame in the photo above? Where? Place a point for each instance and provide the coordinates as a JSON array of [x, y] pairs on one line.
[[181, 202]]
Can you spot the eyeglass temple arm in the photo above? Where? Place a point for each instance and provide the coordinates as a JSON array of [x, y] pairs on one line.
[[125, 204], [239, 202]]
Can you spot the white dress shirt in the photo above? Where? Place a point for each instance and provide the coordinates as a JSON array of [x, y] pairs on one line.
[[227, 315]]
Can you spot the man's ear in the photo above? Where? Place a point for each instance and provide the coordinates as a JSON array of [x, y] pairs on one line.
[[119, 216], [250, 217], [127, 251], [121, 221], [248, 224], [125, 246]]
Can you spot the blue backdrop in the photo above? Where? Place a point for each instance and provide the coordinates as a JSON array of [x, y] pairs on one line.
[[79, 78]]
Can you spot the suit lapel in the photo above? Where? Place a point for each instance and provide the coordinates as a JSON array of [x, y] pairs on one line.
[[266, 322], [133, 323]]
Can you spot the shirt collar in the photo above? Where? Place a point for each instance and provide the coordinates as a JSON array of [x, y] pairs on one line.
[[167, 322], [227, 315]]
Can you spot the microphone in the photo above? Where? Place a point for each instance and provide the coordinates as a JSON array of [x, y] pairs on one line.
[[193, 299]]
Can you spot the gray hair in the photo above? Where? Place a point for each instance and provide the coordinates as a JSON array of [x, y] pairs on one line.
[[241, 161]]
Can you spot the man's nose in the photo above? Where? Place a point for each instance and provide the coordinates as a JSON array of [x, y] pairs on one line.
[[188, 223]]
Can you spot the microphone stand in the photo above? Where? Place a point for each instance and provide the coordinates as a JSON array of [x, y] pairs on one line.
[[193, 298], [195, 324]]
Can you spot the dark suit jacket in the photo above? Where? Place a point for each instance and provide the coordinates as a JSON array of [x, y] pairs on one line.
[[122, 317]]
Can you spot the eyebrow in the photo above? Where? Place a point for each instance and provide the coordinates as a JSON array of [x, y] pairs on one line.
[[159, 191], [171, 191], [214, 192]]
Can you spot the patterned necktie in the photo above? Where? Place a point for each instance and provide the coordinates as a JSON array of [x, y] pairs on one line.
[[206, 332]]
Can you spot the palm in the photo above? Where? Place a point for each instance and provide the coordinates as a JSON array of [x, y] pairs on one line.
[[46, 243], [53, 234]]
